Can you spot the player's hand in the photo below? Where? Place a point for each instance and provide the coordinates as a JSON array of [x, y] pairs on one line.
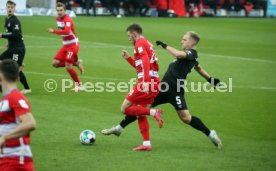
[[2, 144], [145, 87], [50, 30], [163, 44], [214, 81], [125, 54]]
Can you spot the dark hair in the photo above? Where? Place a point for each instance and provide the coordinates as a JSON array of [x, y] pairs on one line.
[[10, 3], [10, 70], [135, 28], [194, 36], [60, 4]]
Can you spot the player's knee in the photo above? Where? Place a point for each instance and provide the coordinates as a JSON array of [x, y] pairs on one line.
[[68, 66], [185, 116], [55, 64], [123, 110]]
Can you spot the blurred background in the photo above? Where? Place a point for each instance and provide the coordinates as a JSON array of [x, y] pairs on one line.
[[150, 8]]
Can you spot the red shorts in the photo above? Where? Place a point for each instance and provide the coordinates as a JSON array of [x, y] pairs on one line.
[[12, 164], [68, 53], [137, 97]]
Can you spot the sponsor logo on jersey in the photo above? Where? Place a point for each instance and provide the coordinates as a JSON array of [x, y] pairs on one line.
[[23, 104], [68, 24], [60, 24], [188, 52], [16, 27]]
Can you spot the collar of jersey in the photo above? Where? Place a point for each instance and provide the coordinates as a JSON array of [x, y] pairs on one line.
[[5, 95]]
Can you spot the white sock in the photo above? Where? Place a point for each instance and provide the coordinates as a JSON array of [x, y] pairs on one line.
[[119, 127], [152, 112], [146, 143]]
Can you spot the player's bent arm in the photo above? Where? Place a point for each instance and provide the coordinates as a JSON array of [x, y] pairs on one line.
[[131, 61], [65, 31], [128, 58], [202, 72], [14, 34], [176, 53], [27, 124]]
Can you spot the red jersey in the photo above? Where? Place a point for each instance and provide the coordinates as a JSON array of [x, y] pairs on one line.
[[12, 106], [66, 30], [145, 61]]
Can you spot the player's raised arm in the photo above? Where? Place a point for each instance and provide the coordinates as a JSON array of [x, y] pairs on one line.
[[171, 50], [128, 58]]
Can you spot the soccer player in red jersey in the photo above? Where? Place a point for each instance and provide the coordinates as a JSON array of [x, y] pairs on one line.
[[138, 101], [67, 56], [16, 122]]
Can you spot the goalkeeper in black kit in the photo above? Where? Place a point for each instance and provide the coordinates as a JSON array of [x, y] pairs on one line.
[[185, 60], [15, 48]]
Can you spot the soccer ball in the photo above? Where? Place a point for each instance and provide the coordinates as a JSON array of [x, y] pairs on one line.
[[87, 137]]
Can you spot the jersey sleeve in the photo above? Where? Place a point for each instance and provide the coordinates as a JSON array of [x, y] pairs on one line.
[[131, 62], [15, 32], [67, 27], [190, 54], [141, 50], [20, 105]]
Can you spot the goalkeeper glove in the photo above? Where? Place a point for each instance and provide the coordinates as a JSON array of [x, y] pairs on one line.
[[164, 45], [214, 81]]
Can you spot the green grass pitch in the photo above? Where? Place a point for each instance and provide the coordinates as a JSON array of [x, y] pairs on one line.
[[242, 49]]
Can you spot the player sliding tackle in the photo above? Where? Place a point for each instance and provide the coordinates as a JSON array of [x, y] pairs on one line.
[[185, 60], [137, 102], [67, 56]]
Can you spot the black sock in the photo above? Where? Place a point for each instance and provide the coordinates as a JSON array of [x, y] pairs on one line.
[[23, 80], [127, 120], [199, 125]]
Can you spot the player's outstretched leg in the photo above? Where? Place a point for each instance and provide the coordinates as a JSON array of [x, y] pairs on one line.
[[196, 123], [140, 111], [117, 130], [144, 129]]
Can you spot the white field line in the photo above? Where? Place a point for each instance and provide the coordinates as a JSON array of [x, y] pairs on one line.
[[110, 45], [117, 79], [67, 76]]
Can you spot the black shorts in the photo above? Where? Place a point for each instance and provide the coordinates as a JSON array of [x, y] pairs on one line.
[[16, 54], [173, 97]]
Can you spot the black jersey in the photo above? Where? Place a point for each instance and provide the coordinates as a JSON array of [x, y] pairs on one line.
[[13, 32], [180, 68]]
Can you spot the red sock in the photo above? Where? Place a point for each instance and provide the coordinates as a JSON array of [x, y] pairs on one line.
[[74, 75], [144, 127], [61, 64], [137, 111]]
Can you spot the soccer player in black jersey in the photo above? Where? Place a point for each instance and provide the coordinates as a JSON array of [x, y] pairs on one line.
[[185, 61], [15, 48]]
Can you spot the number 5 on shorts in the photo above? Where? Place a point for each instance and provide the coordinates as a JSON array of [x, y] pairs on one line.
[[178, 101]]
